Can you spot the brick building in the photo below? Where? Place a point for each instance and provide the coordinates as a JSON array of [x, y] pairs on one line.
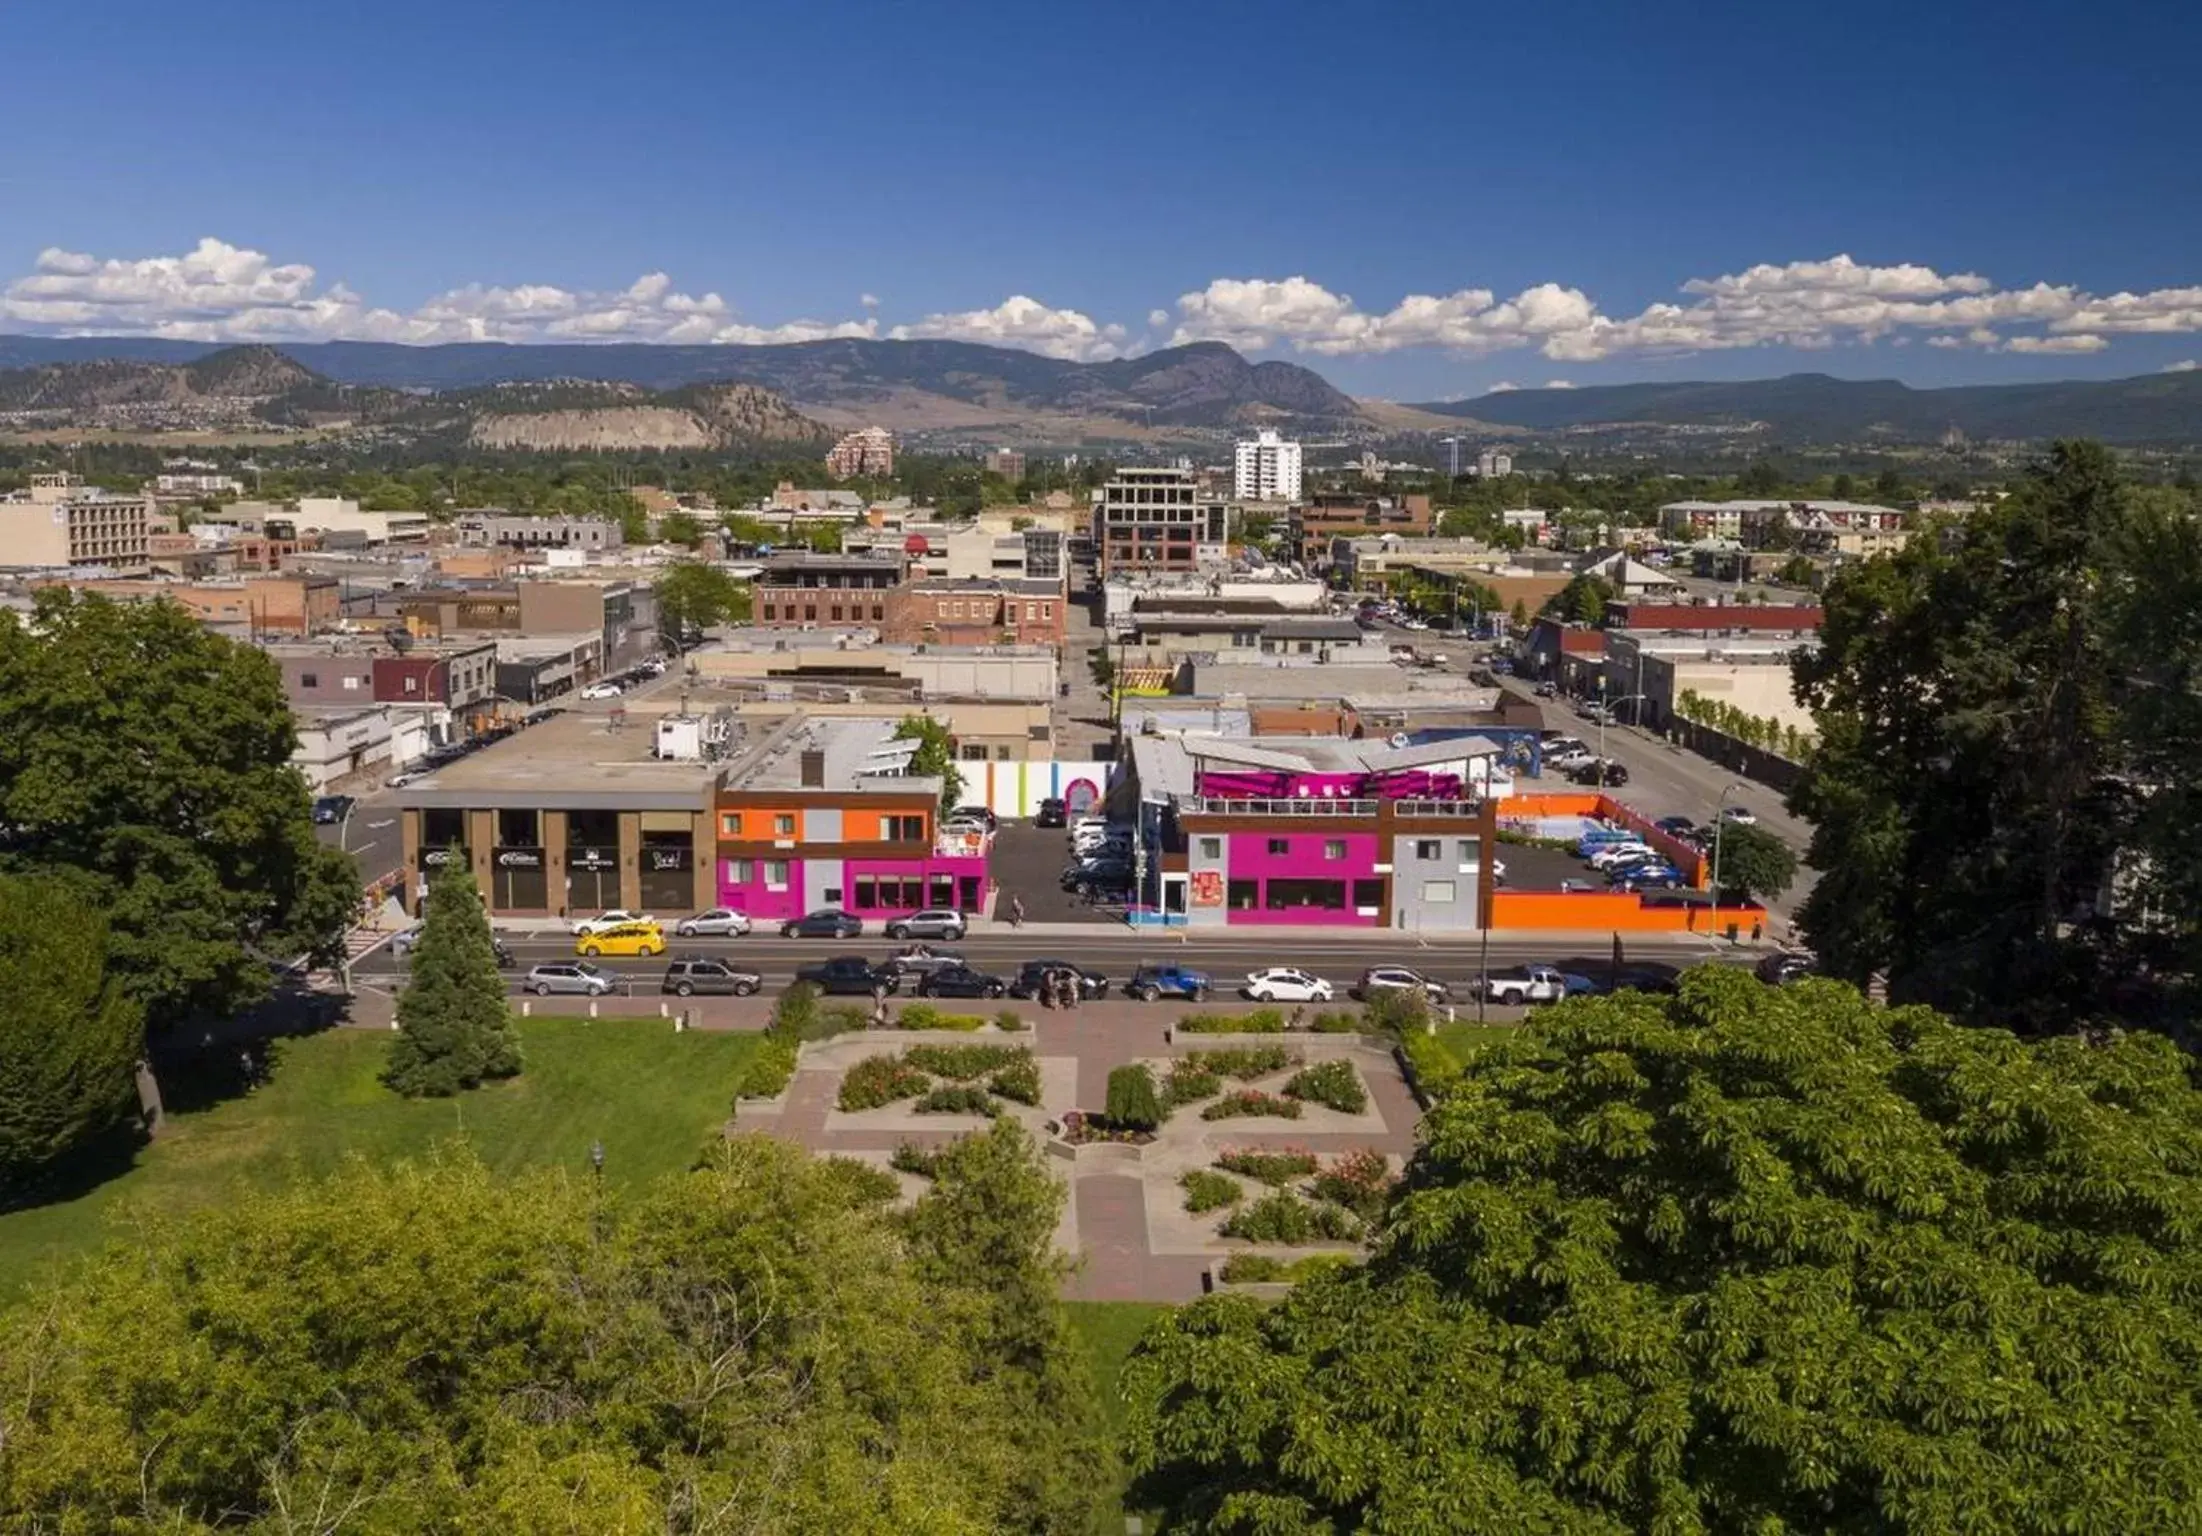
[[980, 611], [806, 588]]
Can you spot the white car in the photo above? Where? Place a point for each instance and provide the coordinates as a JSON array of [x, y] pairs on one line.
[[602, 691], [1284, 984], [612, 919], [1737, 816], [719, 922], [1577, 758], [1621, 853]]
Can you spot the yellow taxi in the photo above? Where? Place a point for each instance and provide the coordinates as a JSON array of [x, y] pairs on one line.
[[622, 939]]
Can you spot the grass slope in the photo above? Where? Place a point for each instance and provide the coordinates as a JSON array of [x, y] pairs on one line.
[[650, 1095]]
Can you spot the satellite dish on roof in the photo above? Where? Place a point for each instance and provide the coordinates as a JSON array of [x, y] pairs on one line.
[[1399, 738]]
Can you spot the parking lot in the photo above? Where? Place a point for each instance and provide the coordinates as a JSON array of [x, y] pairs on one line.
[[1028, 862]]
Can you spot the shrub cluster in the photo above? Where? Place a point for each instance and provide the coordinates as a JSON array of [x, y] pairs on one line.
[[1361, 1181], [957, 1099], [1332, 1084], [1188, 1084], [769, 1070], [1009, 1022], [1019, 1080], [1133, 1104], [911, 1158], [1398, 1011], [795, 1018], [1206, 1190], [877, 1081], [1335, 1021], [1269, 1167], [926, 1016], [1260, 1021], [1433, 1067], [1252, 1268], [962, 1062], [1244, 1063], [1283, 1217], [1249, 1101]]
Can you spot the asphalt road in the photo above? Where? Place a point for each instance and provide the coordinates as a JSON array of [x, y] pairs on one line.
[[1117, 953]]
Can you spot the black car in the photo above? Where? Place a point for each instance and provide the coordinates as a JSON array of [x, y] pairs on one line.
[[713, 978], [960, 981], [1026, 983], [850, 976], [1052, 813], [331, 809], [1782, 969], [1608, 772], [825, 923]]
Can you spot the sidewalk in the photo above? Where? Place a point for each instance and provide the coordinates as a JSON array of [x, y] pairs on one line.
[[996, 928]]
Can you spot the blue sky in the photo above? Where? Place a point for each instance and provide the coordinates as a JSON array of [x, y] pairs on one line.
[[1466, 195]]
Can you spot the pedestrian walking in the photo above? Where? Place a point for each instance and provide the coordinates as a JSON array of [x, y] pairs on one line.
[[1016, 911]]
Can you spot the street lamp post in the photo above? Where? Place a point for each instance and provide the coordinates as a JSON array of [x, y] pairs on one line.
[[1720, 825], [1604, 710]]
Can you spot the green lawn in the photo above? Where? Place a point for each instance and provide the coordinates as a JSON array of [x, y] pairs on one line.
[[1464, 1040], [651, 1096], [1106, 1331]]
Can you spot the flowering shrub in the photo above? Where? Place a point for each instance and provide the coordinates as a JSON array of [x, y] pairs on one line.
[[1207, 1190], [1019, 1080], [957, 1099], [1270, 1167], [1250, 1101], [1361, 1181], [1188, 1084], [1261, 1021], [1333, 1084], [880, 1080], [962, 1062], [1283, 1217]]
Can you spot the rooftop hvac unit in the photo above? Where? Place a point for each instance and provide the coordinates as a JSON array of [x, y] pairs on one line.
[[679, 739]]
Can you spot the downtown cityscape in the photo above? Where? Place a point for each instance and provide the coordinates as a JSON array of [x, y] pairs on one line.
[[981, 857]]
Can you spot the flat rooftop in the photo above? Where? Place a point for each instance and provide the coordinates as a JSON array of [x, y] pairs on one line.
[[824, 753], [575, 758]]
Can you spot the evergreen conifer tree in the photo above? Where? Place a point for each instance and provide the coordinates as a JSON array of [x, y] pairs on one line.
[[454, 1025]]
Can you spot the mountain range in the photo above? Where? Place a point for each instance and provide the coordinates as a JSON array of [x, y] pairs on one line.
[[1815, 408], [902, 385]]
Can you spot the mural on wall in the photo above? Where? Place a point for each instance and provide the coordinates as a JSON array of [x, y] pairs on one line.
[[1207, 887], [1016, 789]]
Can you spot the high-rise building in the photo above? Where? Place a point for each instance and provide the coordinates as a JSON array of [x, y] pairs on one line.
[[1006, 462], [1494, 464], [61, 521], [869, 452], [1153, 519], [1268, 469]]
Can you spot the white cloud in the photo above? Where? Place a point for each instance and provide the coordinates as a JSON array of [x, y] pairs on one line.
[[2184, 365], [1021, 322], [1558, 384], [1502, 387], [2055, 344], [868, 300]]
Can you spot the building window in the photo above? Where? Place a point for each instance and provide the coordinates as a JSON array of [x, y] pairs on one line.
[[1334, 848], [776, 874], [879, 613], [902, 829], [1429, 848], [810, 613], [834, 613], [351, 685], [783, 826], [1467, 847], [1279, 847], [972, 752], [1243, 895], [1291, 895], [1001, 754], [1368, 893], [1438, 892], [412, 685], [1211, 847], [770, 613], [940, 610]]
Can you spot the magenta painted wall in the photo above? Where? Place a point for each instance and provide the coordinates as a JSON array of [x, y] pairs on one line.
[[959, 866], [1247, 857], [754, 899]]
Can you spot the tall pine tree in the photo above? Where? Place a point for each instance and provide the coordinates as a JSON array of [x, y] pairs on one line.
[[454, 1024]]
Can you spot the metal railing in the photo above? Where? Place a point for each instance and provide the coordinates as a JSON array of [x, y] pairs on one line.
[[1456, 809], [1311, 806]]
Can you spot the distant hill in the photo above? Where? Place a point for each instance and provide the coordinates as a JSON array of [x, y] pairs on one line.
[[1812, 407], [903, 384], [252, 388]]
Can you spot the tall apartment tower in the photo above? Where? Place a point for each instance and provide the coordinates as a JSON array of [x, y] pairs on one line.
[[1268, 469], [869, 452]]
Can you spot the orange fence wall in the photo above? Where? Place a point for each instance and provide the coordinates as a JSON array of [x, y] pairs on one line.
[[1611, 912], [1687, 859]]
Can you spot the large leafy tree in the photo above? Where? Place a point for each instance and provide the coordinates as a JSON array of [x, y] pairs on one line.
[[1582, 601], [1742, 1259], [152, 758], [693, 595], [935, 757], [69, 1035], [454, 1024], [1754, 863], [749, 1347], [1969, 790]]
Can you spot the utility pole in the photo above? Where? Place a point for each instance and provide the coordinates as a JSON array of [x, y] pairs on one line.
[[1720, 825]]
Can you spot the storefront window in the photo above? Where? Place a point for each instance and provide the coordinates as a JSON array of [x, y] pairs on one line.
[[1292, 895], [668, 871]]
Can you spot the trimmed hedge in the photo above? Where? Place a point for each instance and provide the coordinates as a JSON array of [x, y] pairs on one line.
[[1332, 1084], [1434, 1068], [1261, 1021], [1335, 1021], [1207, 1190], [926, 1016]]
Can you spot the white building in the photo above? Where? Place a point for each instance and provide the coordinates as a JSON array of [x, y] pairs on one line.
[[61, 521], [1494, 464], [1268, 469]]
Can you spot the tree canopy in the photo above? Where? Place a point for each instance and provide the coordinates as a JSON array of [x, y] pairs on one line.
[[69, 1036], [151, 759], [1742, 1259], [935, 757], [693, 595], [760, 1345], [1754, 863], [454, 1024], [2004, 778], [1582, 601]]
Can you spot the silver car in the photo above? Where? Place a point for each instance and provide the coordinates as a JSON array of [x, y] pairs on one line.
[[936, 923], [573, 976], [718, 923]]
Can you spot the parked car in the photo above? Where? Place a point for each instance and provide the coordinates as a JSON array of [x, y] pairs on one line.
[[602, 691], [1026, 983], [933, 923], [1737, 816], [1522, 985], [576, 976], [1663, 879], [611, 919], [331, 809], [977, 813], [718, 923], [1548, 690], [1570, 760], [849, 975], [825, 923], [1595, 772], [713, 978], [1397, 978], [1622, 853], [1676, 826], [644, 939], [960, 981], [1286, 984], [919, 959], [1052, 812], [1790, 965], [1152, 981]]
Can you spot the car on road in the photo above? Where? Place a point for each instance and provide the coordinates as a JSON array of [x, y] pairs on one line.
[[1523, 985], [1380, 979], [1676, 826], [918, 959], [1152, 981], [1737, 816], [1548, 690], [612, 919], [401, 780], [1596, 772], [960, 981], [644, 939], [402, 944], [825, 923], [717, 923], [1052, 812], [933, 923], [694, 974], [573, 976], [1570, 760], [849, 975], [977, 813], [1026, 983], [331, 809], [602, 691], [1286, 984], [1779, 970]]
